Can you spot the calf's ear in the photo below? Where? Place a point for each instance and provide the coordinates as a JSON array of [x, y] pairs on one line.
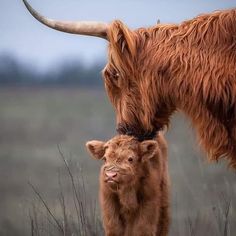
[[148, 149], [96, 148]]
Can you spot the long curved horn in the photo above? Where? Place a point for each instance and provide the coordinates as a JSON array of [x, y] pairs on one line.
[[90, 28]]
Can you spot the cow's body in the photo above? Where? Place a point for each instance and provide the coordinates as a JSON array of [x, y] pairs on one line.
[[190, 67], [133, 194]]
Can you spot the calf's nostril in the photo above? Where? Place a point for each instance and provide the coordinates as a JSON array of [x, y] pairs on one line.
[[111, 174]]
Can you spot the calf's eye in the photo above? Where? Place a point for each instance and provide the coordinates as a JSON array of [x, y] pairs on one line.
[[104, 159], [130, 159]]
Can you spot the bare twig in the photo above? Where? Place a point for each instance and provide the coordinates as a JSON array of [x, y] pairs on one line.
[[46, 206], [76, 198]]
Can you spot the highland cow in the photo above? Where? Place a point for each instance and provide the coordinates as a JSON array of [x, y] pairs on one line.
[[134, 185], [153, 72]]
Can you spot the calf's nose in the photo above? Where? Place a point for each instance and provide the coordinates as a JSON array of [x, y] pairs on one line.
[[110, 174]]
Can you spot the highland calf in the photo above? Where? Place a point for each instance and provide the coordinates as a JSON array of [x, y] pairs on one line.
[[134, 185]]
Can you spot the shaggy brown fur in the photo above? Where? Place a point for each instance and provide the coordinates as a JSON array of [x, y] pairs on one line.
[[190, 67], [134, 186]]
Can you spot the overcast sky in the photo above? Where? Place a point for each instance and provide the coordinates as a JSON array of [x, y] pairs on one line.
[[22, 36]]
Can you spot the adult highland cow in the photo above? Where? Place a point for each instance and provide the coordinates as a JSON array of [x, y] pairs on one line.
[[153, 72]]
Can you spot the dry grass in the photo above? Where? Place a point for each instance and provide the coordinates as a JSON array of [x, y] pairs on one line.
[[83, 220], [216, 222]]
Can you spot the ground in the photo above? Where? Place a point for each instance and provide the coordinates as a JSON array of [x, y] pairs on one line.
[[33, 121]]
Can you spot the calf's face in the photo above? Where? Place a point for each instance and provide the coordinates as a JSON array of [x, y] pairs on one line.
[[125, 159]]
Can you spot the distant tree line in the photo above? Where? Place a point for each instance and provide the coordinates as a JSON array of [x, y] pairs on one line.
[[73, 73]]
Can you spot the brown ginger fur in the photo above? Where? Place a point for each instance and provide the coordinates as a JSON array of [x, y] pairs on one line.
[[152, 72], [137, 203]]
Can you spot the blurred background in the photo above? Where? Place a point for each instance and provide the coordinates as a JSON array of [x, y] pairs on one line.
[[52, 99]]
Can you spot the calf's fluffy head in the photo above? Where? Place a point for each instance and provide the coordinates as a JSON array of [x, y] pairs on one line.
[[126, 160]]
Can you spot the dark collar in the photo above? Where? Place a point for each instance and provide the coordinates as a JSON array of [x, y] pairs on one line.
[[137, 133]]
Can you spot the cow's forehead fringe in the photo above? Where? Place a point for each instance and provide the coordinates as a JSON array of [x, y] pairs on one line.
[[122, 141]]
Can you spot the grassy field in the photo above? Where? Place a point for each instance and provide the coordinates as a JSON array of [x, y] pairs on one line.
[[33, 121]]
